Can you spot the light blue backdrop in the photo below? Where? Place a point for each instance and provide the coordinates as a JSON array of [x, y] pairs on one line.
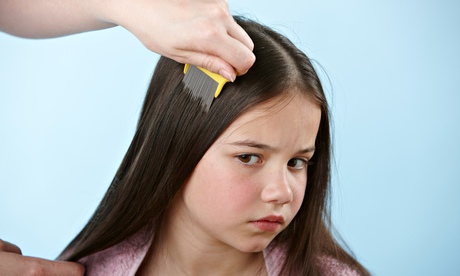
[[68, 109]]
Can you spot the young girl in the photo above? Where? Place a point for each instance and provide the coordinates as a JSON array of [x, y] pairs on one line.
[[241, 189]]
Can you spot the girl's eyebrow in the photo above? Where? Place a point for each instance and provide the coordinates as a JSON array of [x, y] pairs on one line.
[[253, 144]]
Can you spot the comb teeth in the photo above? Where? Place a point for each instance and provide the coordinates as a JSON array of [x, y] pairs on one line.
[[200, 86]]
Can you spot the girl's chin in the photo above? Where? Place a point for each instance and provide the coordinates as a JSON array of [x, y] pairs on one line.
[[254, 247]]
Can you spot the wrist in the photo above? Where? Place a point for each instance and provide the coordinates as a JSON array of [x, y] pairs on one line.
[[104, 11]]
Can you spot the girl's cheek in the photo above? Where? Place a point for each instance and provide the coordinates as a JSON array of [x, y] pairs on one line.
[[299, 194], [241, 188]]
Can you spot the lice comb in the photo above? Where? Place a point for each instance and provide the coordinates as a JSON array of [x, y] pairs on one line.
[[203, 84]]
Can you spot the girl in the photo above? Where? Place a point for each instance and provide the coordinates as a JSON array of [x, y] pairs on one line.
[[239, 190]]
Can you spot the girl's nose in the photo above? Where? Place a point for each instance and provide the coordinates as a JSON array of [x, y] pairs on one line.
[[277, 188]]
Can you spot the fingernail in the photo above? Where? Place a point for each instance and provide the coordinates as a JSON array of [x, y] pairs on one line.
[[226, 75]]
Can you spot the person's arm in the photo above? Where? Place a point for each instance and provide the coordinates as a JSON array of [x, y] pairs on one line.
[[200, 32], [13, 263]]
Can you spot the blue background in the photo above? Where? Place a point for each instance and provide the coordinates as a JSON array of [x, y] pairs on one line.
[[68, 109]]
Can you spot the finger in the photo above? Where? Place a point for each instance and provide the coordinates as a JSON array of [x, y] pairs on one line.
[[14, 264], [9, 247], [65, 268], [53, 268], [209, 62], [237, 32], [233, 29], [216, 52], [235, 53], [216, 42]]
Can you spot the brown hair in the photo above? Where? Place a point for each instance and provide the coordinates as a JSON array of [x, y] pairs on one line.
[[173, 133]]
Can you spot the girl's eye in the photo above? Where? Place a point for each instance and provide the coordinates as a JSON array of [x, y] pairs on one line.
[[248, 159], [297, 163]]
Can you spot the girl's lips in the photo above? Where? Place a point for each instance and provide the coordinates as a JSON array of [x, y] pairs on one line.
[[269, 223]]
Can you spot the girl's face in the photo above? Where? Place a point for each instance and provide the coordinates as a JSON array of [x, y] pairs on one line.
[[250, 184]]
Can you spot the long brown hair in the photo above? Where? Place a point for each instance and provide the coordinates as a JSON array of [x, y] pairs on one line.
[[173, 133]]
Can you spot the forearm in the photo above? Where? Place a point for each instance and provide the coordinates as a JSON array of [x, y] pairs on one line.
[[199, 32], [50, 18]]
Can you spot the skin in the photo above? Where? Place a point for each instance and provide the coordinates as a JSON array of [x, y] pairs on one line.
[[13, 263], [199, 32], [257, 168]]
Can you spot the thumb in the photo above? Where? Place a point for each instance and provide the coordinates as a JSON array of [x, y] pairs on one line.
[[213, 64], [9, 247]]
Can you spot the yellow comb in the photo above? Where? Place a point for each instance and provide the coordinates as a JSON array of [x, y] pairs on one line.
[[203, 84]]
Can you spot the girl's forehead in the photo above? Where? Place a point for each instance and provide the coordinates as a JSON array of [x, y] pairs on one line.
[[282, 105], [278, 114]]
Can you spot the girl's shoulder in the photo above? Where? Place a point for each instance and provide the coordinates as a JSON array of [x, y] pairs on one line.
[[121, 259], [329, 265]]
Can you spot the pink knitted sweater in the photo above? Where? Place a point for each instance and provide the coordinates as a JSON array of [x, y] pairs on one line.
[[126, 257]]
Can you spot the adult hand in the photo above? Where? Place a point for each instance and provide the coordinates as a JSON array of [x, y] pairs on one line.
[[200, 32], [13, 263]]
